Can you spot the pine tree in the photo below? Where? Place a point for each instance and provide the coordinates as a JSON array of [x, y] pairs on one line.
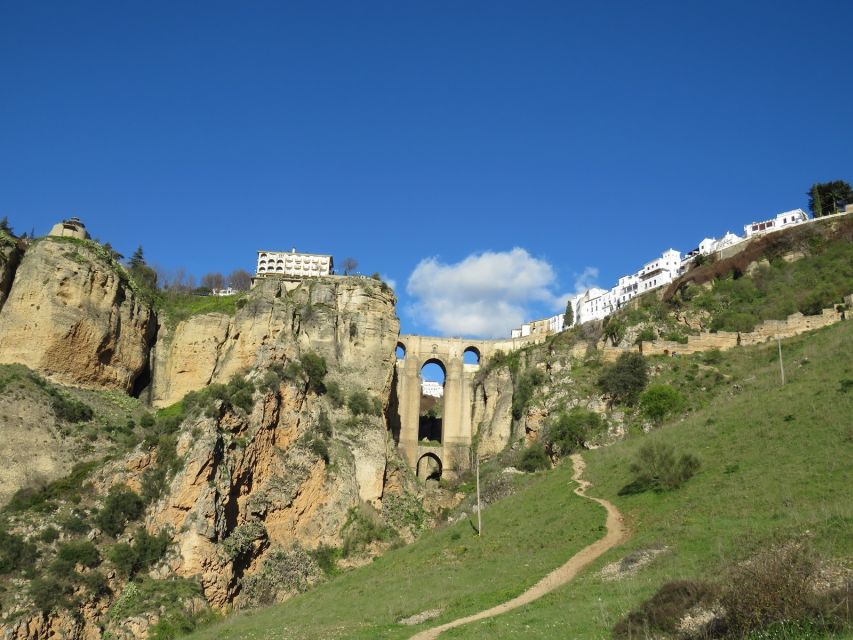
[[137, 259]]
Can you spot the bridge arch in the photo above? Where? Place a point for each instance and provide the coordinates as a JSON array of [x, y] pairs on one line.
[[460, 360], [471, 355], [429, 467], [400, 351]]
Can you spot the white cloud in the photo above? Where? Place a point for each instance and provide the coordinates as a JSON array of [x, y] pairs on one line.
[[486, 294], [586, 279]]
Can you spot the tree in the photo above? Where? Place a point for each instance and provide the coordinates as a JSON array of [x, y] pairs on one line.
[[213, 280], [569, 431], [240, 279], [827, 198], [113, 253], [614, 330], [659, 401], [4, 225], [349, 265], [626, 378], [137, 259], [569, 316]]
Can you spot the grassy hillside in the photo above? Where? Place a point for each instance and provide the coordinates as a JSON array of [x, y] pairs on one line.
[[776, 465]]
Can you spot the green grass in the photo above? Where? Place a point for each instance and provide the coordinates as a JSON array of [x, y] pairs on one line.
[[177, 307], [524, 537], [765, 477], [775, 465]]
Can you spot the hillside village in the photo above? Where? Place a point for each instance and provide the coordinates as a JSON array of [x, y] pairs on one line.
[[597, 304]]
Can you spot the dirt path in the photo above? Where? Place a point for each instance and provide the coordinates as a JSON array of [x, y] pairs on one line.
[[616, 533]]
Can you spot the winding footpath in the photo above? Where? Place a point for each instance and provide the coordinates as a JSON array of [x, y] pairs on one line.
[[616, 534]]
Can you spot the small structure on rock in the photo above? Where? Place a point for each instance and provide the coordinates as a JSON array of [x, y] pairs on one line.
[[70, 228]]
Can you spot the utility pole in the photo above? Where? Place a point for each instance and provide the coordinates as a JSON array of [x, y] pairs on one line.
[[781, 364]]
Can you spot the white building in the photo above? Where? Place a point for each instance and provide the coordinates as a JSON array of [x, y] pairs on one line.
[[782, 220], [298, 265], [70, 228], [228, 291], [431, 388]]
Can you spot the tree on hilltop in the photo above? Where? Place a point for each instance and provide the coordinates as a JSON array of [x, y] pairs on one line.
[[828, 198], [144, 275], [349, 265], [4, 225], [213, 280], [240, 279]]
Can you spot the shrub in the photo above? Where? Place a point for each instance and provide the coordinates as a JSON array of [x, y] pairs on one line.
[[49, 594], [359, 403], [663, 611], [16, 554], [71, 410], [569, 431], [319, 448], [50, 534], [659, 401], [315, 370], [533, 458], [658, 468], [155, 478], [96, 583], [283, 573], [523, 392], [324, 424], [120, 507], [778, 585], [74, 524], [626, 378], [335, 394], [145, 551], [362, 527], [242, 538], [146, 421], [79, 552]]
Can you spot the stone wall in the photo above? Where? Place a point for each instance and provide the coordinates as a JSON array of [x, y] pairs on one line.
[[793, 325]]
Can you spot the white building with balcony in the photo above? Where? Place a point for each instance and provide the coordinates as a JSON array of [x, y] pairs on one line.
[[431, 388], [782, 220], [293, 265]]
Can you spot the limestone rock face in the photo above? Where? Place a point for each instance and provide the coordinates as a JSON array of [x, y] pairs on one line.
[[70, 316], [10, 257], [493, 411], [349, 321]]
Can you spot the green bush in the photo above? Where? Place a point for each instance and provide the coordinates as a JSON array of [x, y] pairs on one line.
[[16, 554], [48, 535], [657, 467], [41, 499], [283, 573], [121, 506], [49, 594], [533, 458], [319, 448], [242, 538], [147, 421], [74, 524], [145, 551], [359, 403], [79, 552], [362, 527], [659, 401], [71, 410], [155, 478], [96, 583], [523, 393], [335, 394], [569, 431], [665, 609], [315, 370], [626, 378]]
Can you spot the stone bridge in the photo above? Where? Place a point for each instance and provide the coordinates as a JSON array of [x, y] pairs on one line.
[[426, 457]]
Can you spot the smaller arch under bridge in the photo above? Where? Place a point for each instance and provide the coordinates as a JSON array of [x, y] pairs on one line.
[[457, 430]]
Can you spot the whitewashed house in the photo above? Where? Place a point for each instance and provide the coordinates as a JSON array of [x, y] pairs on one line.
[[782, 220]]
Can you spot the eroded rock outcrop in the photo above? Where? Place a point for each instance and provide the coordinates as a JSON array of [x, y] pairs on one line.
[[10, 258], [493, 411], [351, 322], [72, 316]]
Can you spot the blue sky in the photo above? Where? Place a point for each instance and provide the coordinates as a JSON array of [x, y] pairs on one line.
[[485, 156]]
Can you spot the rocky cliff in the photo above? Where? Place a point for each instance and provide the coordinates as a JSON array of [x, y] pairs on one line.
[[10, 257], [72, 314], [235, 484], [351, 322]]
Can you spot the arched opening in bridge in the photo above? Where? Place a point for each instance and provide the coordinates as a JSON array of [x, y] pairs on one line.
[[430, 413], [471, 355], [401, 351], [429, 467]]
